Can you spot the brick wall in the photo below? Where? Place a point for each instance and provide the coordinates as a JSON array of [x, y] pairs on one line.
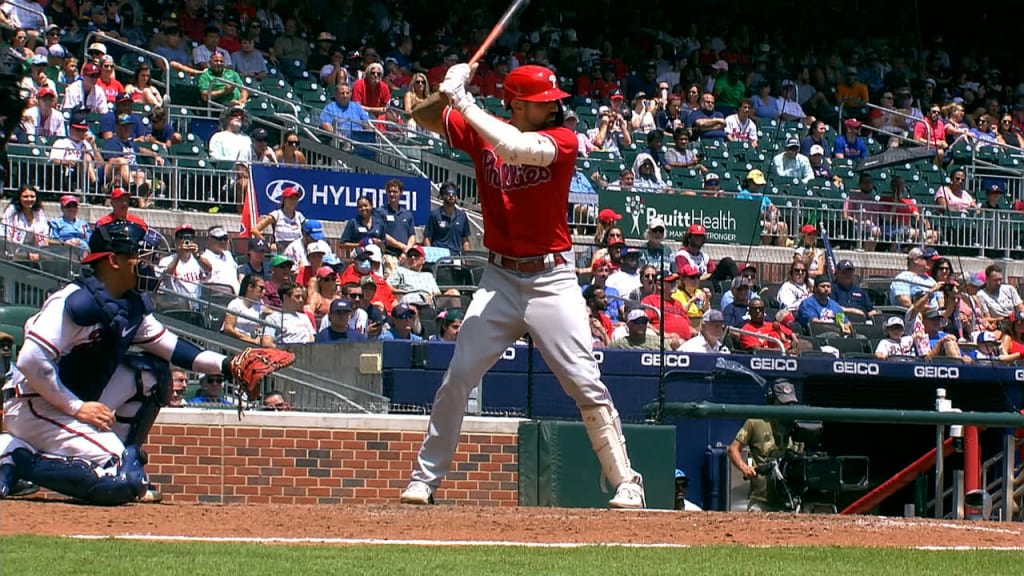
[[294, 458]]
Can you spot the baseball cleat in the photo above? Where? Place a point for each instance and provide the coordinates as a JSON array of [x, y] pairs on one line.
[[22, 488], [417, 493], [152, 495], [629, 495]]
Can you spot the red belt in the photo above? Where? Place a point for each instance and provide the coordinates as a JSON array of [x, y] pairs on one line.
[[528, 265]]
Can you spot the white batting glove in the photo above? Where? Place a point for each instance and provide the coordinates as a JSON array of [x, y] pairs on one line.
[[454, 86]]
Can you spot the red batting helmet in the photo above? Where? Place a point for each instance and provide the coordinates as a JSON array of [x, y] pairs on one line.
[[533, 84], [696, 230]]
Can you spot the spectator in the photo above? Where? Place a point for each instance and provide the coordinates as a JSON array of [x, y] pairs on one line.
[[774, 230], [220, 84], [122, 168], [211, 390], [287, 220], [740, 127], [816, 137], [931, 132], [939, 342], [988, 349], [315, 253], [179, 384], [224, 269], [851, 91], [312, 231], [343, 116], [637, 337], [583, 144], [291, 325], [322, 290], [790, 164], [371, 91], [419, 90], [262, 153], [1013, 336], [655, 252], [280, 272], [915, 277], [706, 123], [612, 132], [763, 104], [953, 198], [690, 252], [274, 401], [789, 108], [749, 275], [288, 152], [403, 318], [808, 254], [161, 129], [600, 270], [85, 93], [709, 340], [255, 260], [182, 272], [366, 270], [249, 62], [820, 308], [850, 297], [229, 39], [69, 229], [107, 81], [627, 278], [998, 301], [675, 322], [850, 144], [409, 277], [694, 299], [335, 72], [681, 155], [366, 228], [728, 91], [231, 144], [141, 88], [861, 213], [904, 222], [291, 46], [36, 79], [770, 332], [42, 120], [338, 328], [202, 55], [25, 221], [448, 225], [648, 285], [449, 321], [895, 342], [600, 324], [797, 288], [242, 320], [172, 48], [120, 199]]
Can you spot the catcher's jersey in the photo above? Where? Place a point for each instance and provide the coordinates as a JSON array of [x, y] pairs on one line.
[[524, 207], [53, 330]]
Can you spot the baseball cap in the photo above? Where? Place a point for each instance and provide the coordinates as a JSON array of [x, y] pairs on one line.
[[257, 245], [374, 315], [792, 142], [121, 192], [720, 65], [90, 69], [757, 177], [259, 135], [374, 251], [125, 119], [315, 230], [290, 192], [317, 247], [845, 264], [851, 123], [608, 215], [184, 229], [817, 150], [340, 305], [38, 60], [603, 110], [711, 176], [713, 316], [570, 114], [451, 314], [977, 280], [57, 51], [325, 272], [689, 271], [367, 281], [823, 279], [331, 260], [668, 277], [637, 315], [123, 97], [218, 232], [402, 311], [697, 230], [655, 223], [631, 251], [808, 229], [279, 260], [784, 392], [68, 199], [739, 282], [616, 95], [932, 314], [416, 250], [992, 189], [97, 47], [448, 188], [986, 338], [44, 92], [894, 321]]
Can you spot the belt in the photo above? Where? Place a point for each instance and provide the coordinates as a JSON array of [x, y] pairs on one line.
[[528, 265], [11, 393]]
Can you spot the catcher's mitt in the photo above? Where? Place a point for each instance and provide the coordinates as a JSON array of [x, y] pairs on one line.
[[247, 368]]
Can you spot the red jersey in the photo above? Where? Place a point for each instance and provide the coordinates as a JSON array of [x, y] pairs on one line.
[[676, 320], [774, 330], [108, 218], [384, 295], [369, 95], [490, 84], [524, 207]]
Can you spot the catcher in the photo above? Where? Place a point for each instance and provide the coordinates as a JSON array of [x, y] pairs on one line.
[[79, 405]]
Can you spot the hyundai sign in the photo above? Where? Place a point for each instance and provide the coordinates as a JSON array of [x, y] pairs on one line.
[[332, 196]]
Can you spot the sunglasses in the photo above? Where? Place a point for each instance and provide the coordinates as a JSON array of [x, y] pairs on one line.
[[419, 82], [799, 270], [712, 182], [649, 276], [406, 316], [260, 287], [755, 309], [293, 142], [748, 276], [275, 407], [355, 295]]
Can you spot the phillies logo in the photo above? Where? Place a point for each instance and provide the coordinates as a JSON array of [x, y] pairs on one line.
[[512, 177]]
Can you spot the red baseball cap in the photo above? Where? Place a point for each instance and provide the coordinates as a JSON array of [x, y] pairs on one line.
[[808, 229], [90, 69], [119, 192], [68, 199], [689, 271], [44, 92], [325, 272], [184, 228], [289, 192], [696, 230], [608, 215], [418, 250]]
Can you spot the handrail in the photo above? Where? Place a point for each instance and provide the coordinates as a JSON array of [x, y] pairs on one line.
[[914, 119], [253, 90], [850, 415], [134, 48], [782, 348], [27, 8]]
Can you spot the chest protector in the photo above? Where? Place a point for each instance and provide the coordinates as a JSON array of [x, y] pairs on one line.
[[88, 367]]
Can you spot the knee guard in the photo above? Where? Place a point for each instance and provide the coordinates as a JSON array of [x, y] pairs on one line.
[[78, 479]]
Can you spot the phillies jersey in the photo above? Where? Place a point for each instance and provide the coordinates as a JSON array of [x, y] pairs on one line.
[[525, 207]]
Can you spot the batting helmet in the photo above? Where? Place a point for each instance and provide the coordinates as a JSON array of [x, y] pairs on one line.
[[533, 84]]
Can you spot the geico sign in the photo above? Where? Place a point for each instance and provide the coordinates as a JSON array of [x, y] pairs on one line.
[[510, 354], [671, 360], [858, 368], [1018, 375], [945, 372], [774, 364]]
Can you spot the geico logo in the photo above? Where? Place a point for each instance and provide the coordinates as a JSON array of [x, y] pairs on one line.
[[509, 354], [859, 368], [774, 364], [946, 372], [1018, 375], [599, 356], [671, 360]]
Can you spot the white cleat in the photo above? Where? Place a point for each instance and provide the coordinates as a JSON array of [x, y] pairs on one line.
[[152, 496], [418, 493], [629, 495]]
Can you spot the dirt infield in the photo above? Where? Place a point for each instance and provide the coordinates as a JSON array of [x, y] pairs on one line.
[[465, 523]]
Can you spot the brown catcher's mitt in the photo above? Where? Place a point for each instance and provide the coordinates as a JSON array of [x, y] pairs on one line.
[[248, 367]]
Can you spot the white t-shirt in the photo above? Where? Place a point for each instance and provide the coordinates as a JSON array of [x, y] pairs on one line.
[[291, 328], [53, 125], [246, 316], [75, 97], [699, 344], [902, 347], [287, 229], [624, 282], [698, 260], [187, 276], [1002, 305], [224, 269], [19, 231], [791, 294], [68, 149], [741, 131], [226, 145]]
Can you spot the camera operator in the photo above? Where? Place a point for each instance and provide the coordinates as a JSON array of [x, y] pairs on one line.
[[612, 132], [767, 440]]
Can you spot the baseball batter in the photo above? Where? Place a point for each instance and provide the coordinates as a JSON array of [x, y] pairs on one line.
[[79, 406], [523, 169]]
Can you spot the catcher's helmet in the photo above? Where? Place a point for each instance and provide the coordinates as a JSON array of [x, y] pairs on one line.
[[118, 237], [533, 84]]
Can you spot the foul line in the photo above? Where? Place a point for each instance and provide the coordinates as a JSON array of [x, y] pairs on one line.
[[464, 543]]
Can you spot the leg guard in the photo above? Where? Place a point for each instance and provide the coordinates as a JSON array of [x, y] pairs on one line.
[[7, 479], [605, 432], [78, 479], [153, 391]]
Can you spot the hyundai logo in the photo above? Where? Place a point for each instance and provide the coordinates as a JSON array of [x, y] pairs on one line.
[[275, 188]]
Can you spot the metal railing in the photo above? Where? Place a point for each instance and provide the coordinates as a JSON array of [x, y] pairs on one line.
[[254, 91], [132, 48], [913, 121]]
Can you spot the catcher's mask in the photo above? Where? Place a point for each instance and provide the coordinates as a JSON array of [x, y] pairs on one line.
[[128, 238]]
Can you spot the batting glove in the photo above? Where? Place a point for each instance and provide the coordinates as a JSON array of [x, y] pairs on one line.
[[454, 86]]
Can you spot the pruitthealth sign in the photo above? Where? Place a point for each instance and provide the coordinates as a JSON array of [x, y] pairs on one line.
[[727, 220]]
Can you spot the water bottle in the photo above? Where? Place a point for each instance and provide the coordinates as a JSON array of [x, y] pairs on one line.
[[840, 318], [699, 301]]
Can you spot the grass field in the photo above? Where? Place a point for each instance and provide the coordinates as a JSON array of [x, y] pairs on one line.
[[35, 555]]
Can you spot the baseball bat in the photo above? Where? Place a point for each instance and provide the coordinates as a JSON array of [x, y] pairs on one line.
[[514, 8]]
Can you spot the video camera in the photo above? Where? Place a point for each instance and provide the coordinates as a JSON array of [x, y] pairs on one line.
[[812, 475]]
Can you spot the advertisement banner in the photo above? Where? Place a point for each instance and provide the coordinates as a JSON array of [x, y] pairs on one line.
[[728, 221], [331, 196]]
